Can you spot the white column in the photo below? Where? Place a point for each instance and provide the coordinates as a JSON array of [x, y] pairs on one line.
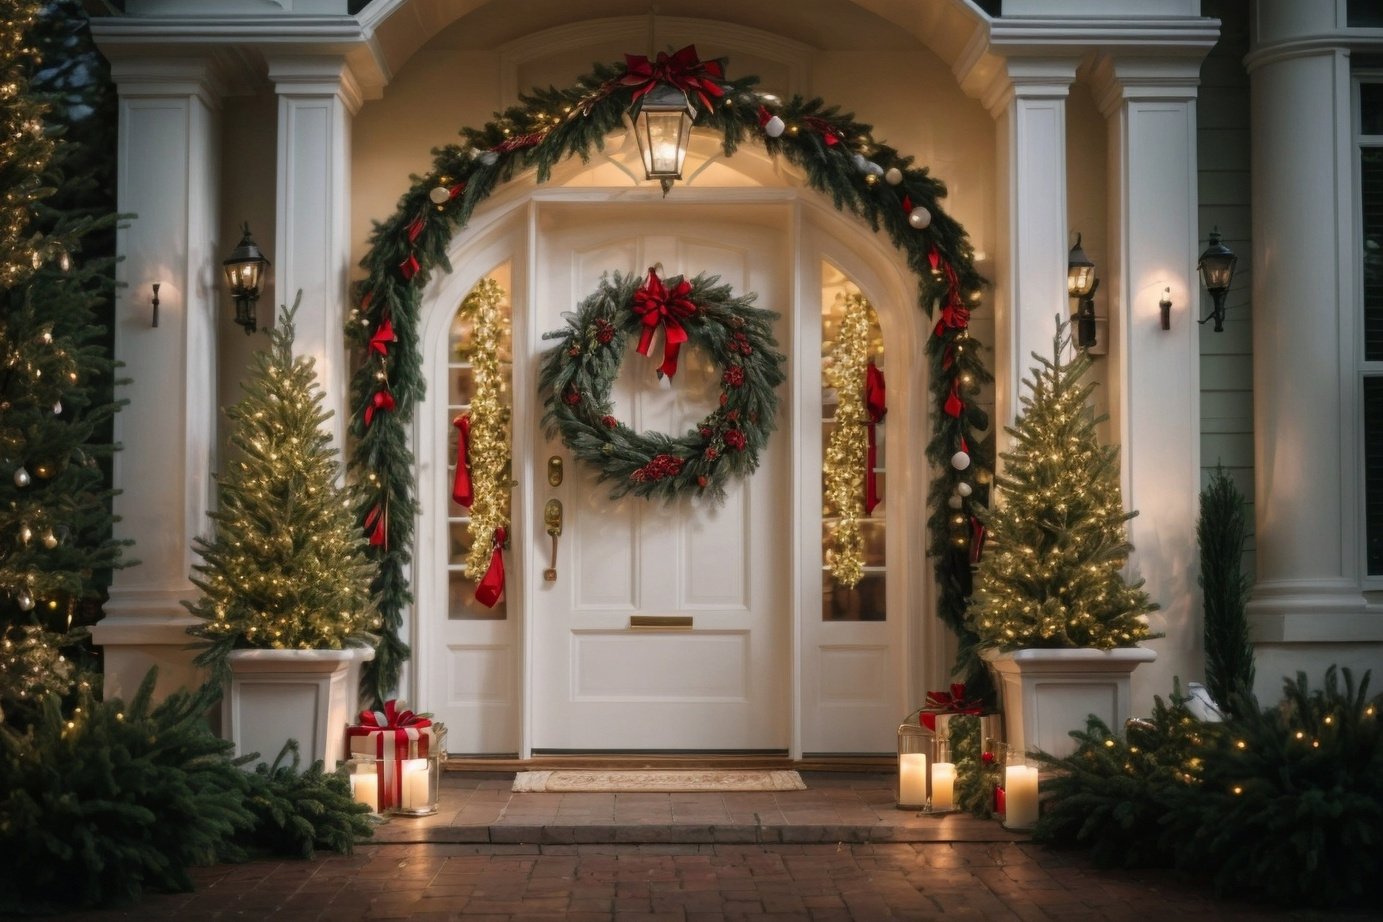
[[1028, 99], [1150, 105], [317, 98], [168, 154], [1307, 607]]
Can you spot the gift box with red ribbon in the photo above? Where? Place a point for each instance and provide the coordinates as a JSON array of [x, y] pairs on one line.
[[391, 737], [941, 707]]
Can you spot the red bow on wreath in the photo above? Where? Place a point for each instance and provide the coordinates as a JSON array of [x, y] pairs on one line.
[[660, 307], [951, 702], [682, 69]]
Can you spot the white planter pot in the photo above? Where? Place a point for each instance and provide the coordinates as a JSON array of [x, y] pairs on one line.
[[1045, 694], [307, 695]]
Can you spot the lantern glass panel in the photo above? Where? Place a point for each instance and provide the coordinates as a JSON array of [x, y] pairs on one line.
[[1079, 280], [665, 143]]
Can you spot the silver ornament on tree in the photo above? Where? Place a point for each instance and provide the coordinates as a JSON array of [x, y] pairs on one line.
[[919, 218], [57, 407], [21, 477], [963, 488], [954, 502], [25, 600]]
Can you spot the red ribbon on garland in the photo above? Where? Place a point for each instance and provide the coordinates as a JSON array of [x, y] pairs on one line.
[[874, 403], [954, 315], [377, 527], [379, 342], [518, 142], [409, 267], [491, 586], [660, 307], [461, 490], [828, 132], [381, 401], [415, 229], [948, 702], [954, 405], [681, 69], [977, 535]]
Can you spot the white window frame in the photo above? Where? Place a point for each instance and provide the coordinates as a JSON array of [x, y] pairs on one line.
[[1363, 368]]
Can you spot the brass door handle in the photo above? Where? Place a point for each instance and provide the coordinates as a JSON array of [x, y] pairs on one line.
[[552, 518]]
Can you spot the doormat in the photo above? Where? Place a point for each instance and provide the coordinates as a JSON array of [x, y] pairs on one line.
[[629, 782]]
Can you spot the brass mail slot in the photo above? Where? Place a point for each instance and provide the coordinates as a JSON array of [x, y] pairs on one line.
[[660, 622]]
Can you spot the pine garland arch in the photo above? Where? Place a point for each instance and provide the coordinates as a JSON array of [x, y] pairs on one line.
[[839, 158]]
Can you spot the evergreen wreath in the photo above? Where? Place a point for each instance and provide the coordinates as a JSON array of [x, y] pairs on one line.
[[838, 156], [577, 374]]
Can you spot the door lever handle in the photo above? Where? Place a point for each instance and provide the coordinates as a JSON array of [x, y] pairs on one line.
[[552, 518]]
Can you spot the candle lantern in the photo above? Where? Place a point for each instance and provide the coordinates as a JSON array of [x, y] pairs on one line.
[[363, 774], [914, 743], [1020, 791], [419, 779], [941, 779]]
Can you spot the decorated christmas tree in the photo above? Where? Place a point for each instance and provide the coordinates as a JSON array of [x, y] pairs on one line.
[[56, 549], [286, 568], [1051, 575]]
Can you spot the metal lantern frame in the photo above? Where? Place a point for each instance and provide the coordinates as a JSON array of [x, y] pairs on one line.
[[663, 129], [1216, 267], [1081, 284], [244, 270]]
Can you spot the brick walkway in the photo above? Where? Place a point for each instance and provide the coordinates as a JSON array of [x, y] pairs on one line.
[[837, 851]]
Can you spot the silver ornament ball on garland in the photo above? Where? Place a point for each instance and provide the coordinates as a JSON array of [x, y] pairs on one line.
[[774, 127], [439, 195], [893, 176], [919, 218], [960, 460]]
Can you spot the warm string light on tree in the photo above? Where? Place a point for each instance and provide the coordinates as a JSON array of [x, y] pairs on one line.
[[285, 568], [489, 426], [1052, 576], [843, 466], [837, 156]]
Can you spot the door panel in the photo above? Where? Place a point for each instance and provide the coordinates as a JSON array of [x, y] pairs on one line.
[[600, 683]]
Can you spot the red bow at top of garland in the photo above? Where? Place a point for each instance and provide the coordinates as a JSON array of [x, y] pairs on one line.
[[393, 717], [659, 306], [682, 69], [951, 702]]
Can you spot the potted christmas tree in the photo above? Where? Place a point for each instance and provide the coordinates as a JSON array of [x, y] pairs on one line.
[[285, 605], [1058, 622]]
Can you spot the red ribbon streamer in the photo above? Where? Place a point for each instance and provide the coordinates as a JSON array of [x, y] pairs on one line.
[[377, 526], [383, 336], [828, 132], [461, 490], [1000, 799], [415, 229], [660, 307], [409, 267], [491, 586], [954, 405], [382, 400], [977, 535], [955, 315], [682, 69], [875, 404], [518, 142]]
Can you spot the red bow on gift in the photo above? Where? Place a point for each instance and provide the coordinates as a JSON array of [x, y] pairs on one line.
[[682, 69], [951, 702], [394, 717], [660, 307]]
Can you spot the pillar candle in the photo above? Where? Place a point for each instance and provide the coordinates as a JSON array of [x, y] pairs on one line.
[[415, 792], [943, 786], [1020, 794], [912, 778], [365, 789]]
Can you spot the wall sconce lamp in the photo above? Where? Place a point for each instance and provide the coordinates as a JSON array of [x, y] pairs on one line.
[[155, 303], [663, 128], [1217, 272], [1165, 305], [1081, 284], [244, 270]]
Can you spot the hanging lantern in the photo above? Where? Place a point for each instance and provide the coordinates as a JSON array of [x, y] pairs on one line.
[[663, 128]]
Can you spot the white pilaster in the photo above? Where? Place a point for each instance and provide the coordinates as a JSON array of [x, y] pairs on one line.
[[317, 98], [1150, 107], [1028, 99], [1307, 414], [168, 152]]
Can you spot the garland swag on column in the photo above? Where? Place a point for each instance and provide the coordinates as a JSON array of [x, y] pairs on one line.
[[839, 157]]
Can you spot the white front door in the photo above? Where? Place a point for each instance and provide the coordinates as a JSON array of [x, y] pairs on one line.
[[597, 680]]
